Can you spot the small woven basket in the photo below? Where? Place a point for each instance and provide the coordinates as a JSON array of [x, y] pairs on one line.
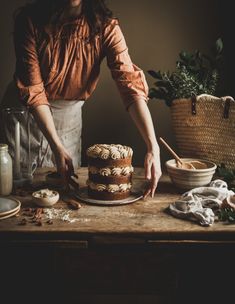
[[204, 128]]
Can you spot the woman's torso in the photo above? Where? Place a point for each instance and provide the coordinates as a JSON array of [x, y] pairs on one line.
[[69, 60]]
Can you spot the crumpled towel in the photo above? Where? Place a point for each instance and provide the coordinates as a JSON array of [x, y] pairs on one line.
[[198, 204]]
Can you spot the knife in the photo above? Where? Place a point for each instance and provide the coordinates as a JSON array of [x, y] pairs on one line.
[[69, 196]]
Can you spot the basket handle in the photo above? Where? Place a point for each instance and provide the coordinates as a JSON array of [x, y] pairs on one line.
[[226, 99]]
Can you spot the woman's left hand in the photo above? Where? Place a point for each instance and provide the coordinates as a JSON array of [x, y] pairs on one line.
[[141, 116], [153, 171]]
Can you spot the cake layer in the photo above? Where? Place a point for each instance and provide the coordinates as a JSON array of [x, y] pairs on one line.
[[110, 171], [113, 171], [109, 187], [102, 163], [97, 178], [108, 196]]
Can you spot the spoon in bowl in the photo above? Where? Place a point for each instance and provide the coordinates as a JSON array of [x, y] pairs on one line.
[[195, 164]]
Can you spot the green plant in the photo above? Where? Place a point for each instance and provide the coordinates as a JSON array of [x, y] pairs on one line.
[[226, 215], [228, 175], [195, 74]]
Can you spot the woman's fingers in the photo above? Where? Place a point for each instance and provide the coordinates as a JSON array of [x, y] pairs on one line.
[[146, 193], [70, 167], [154, 181], [61, 167], [152, 186], [147, 166], [152, 173], [64, 166]]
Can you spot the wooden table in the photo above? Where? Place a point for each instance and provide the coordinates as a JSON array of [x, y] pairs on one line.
[[130, 249]]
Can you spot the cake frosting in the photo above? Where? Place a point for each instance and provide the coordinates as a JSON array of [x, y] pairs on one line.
[[110, 171], [112, 151]]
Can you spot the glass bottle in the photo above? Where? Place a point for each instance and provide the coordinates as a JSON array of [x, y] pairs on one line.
[[6, 176]]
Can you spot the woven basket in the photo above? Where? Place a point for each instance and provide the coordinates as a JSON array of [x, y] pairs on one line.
[[204, 128]]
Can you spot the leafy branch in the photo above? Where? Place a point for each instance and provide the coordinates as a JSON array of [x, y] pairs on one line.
[[226, 215], [195, 74], [228, 175]]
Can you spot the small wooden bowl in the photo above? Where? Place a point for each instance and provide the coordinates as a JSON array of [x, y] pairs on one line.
[[40, 198]]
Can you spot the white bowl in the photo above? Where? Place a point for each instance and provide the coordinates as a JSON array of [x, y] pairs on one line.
[[187, 179], [45, 197]]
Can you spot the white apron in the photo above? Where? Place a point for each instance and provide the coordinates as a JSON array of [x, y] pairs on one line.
[[35, 150]]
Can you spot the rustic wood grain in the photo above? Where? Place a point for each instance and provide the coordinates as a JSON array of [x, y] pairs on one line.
[[146, 219]]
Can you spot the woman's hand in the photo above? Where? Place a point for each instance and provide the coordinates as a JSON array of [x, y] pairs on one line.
[[43, 116], [153, 171], [64, 164], [140, 114]]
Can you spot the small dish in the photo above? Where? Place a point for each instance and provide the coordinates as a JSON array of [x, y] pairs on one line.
[[8, 205], [45, 197], [9, 214]]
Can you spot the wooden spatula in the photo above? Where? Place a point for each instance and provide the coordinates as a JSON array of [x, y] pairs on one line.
[[182, 164]]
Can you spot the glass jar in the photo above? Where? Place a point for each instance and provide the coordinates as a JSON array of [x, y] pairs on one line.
[[6, 176]]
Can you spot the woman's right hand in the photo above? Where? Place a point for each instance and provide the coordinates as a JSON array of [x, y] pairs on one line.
[[64, 164]]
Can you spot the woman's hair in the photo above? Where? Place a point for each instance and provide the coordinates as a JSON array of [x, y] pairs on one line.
[[47, 12]]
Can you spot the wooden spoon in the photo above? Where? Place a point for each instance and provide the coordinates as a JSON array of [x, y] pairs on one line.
[[182, 164]]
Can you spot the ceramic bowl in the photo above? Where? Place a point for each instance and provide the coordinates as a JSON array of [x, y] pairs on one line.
[[45, 197], [187, 179]]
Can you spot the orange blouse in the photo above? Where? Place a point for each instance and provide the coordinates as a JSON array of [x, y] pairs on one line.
[[67, 65]]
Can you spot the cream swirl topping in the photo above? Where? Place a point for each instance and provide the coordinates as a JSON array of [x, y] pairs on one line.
[[105, 171], [123, 187], [110, 187], [115, 154], [100, 187], [126, 171], [112, 151], [104, 154], [115, 171], [97, 150]]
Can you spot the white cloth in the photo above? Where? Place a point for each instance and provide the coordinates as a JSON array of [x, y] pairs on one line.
[[200, 203]]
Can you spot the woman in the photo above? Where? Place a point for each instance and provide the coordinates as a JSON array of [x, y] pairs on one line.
[[59, 47]]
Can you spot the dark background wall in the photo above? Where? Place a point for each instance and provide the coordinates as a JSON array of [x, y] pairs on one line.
[[155, 31]]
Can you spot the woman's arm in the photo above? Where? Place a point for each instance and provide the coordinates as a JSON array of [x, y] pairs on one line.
[[44, 119], [32, 92], [141, 116], [133, 88]]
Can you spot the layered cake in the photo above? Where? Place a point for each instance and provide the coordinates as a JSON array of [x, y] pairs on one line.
[[110, 171]]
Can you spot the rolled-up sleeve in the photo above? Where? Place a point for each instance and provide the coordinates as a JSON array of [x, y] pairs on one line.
[[27, 72], [130, 79]]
